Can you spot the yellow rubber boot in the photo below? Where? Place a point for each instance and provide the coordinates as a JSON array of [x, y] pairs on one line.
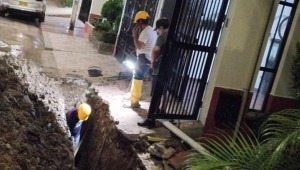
[[136, 92]]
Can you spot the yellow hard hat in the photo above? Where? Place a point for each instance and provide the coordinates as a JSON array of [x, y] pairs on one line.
[[84, 110], [141, 15]]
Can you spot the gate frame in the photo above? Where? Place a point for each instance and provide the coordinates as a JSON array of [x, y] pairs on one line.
[[153, 112]]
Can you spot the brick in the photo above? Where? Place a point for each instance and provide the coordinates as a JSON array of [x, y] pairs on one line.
[[177, 161]]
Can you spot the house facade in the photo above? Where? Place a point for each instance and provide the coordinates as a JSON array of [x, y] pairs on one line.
[[225, 59]]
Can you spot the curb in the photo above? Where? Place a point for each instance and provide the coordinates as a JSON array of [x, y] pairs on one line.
[[47, 42]]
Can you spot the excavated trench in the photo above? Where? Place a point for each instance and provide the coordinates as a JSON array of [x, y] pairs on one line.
[[33, 129]]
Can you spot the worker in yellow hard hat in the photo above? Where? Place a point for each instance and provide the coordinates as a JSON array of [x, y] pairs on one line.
[[75, 117], [144, 38]]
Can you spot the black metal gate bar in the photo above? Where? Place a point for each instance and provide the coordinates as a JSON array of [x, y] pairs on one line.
[[188, 72], [203, 56], [194, 83], [210, 56], [193, 31], [185, 66]]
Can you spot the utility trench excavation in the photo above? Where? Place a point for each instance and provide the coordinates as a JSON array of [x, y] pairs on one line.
[[34, 134]]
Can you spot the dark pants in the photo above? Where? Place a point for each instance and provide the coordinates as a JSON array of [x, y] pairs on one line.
[[142, 67]]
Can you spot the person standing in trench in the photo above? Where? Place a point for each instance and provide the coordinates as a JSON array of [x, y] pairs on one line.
[[74, 118]]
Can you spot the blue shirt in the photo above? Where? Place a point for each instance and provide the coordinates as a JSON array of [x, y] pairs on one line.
[[73, 122]]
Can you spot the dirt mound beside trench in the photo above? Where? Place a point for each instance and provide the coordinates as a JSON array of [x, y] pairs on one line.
[[31, 135]]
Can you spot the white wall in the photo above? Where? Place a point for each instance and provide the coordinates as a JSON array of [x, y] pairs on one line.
[[97, 6]]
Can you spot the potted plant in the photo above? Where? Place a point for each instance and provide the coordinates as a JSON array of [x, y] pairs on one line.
[[105, 30]]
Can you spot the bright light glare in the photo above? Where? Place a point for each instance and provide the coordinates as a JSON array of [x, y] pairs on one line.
[[129, 64]]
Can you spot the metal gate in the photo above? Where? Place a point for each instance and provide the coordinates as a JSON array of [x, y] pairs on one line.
[[187, 59], [85, 10]]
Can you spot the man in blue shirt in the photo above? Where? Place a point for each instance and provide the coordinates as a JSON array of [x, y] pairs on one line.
[[75, 117]]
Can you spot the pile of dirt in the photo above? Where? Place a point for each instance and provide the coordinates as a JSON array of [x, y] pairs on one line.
[[33, 132]]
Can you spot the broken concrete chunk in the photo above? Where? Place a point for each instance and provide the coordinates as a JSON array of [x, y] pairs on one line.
[[157, 150], [168, 153], [178, 161], [8, 146]]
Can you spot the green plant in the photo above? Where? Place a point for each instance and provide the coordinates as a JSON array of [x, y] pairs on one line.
[[98, 35], [276, 148], [109, 37], [112, 10], [106, 37], [101, 25], [117, 24], [106, 28], [67, 3]]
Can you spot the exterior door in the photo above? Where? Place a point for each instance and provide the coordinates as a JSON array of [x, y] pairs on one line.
[[85, 10], [186, 63]]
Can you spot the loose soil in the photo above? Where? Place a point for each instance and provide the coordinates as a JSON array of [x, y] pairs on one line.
[[34, 134], [31, 131]]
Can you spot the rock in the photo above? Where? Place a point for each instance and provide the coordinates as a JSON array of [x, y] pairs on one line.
[[168, 153], [156, 150], [8, 146], [178, 161]]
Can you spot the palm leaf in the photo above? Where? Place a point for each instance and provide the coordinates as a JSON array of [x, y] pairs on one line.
[[277, 148], [226, 153], [281, 133]]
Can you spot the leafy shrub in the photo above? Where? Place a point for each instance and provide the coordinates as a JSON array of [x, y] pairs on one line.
[[117, 23], [106, 37], [98, 35], [101, 25], [112, 9], [105, 29], [67, 3], [109, 37]]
